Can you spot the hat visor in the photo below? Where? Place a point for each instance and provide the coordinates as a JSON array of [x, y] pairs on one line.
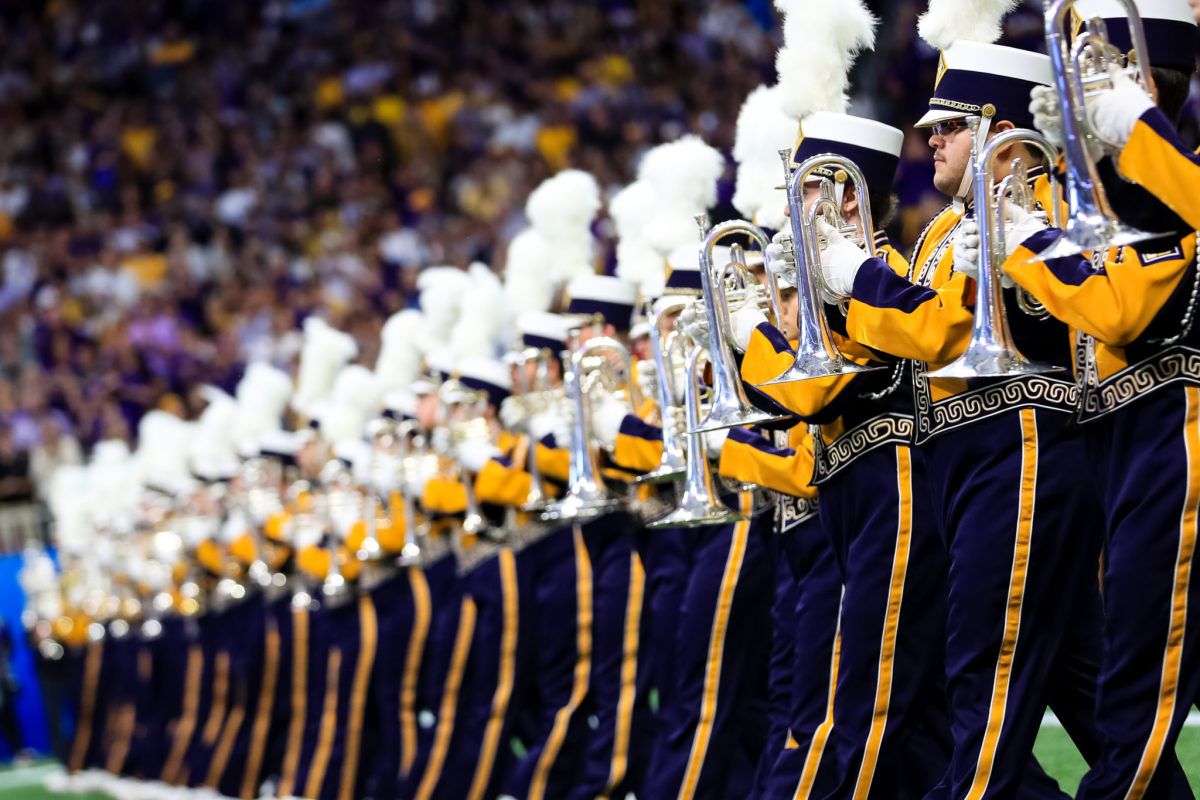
[[671, 302], [935, 115]]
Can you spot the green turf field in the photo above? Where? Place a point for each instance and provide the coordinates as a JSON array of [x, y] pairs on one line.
[[1054, 750], [1060, 758]]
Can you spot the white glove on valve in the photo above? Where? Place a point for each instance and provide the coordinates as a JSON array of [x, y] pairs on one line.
[[744, 321], [1019, 225], [781, 258], [554, 423], [966, 248], [647, 379], [1114, 113], [693, 322], [512, 413], [840, 261], [607, 419], [1046, 109], [473, 454]]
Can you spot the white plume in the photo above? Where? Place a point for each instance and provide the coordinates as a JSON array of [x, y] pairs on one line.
[[325, 351], [483, 315], [399, 361], [561, 210], [355, 386], [164, 441], [637, 260], [821, 39], [441, 289], [528, 275], [570, 199], [762, 131], [683, 175], [213, 447], [353, 400], [262, 395], [950, 21]]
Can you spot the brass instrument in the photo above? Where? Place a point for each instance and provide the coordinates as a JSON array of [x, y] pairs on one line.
[[536, 500], [673, 463], [470, 424], [699, 502], [336, 486], [730, 407], [410, 551], [816, 354], [380, 433], [1081, 70], [587, 496], [991, 352]]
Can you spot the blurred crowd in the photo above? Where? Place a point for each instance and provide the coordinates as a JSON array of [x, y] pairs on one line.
[[182, 182]]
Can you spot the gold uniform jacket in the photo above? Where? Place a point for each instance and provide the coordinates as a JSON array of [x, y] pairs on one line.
[[927, 318], [856, 413]]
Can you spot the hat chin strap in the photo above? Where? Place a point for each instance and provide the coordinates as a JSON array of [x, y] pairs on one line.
[[964, 189]]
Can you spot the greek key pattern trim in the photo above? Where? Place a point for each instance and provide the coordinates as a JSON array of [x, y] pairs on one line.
[[874, 433], [979, 404], [1178, 365], [792, 511]]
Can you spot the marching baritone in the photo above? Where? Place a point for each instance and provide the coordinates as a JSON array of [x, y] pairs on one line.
[[1137, 363], [1001, 458], [875, 509]]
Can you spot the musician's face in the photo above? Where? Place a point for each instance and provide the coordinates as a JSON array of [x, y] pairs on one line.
[[951, 156], [427, 411], [666, 322], [787, 307]]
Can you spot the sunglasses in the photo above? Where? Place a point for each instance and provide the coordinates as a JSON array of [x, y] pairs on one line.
[[948, 127]]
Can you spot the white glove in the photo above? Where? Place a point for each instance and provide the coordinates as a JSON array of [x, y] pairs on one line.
[[966, 252], [714, 441], [1046, 109], [439, 440], [414, 483], [781, 258], [840, 261], [676, 419], [1047, 113], [693, 322], [512, 413], [1114, 113], [744, 321], [966, 248], [607, 419], [551, 423], [1019, 225], [647, 379], [473, 454]]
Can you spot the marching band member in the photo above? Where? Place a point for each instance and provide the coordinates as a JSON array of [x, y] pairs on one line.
[[866, 423], [561, 572], [614, 762], [1135, 316], [867, 704], [1002, 463], [711, 584]]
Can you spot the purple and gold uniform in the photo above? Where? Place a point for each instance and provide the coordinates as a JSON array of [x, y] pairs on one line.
[[1002, 465], [1138, 363], [868, 714]]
